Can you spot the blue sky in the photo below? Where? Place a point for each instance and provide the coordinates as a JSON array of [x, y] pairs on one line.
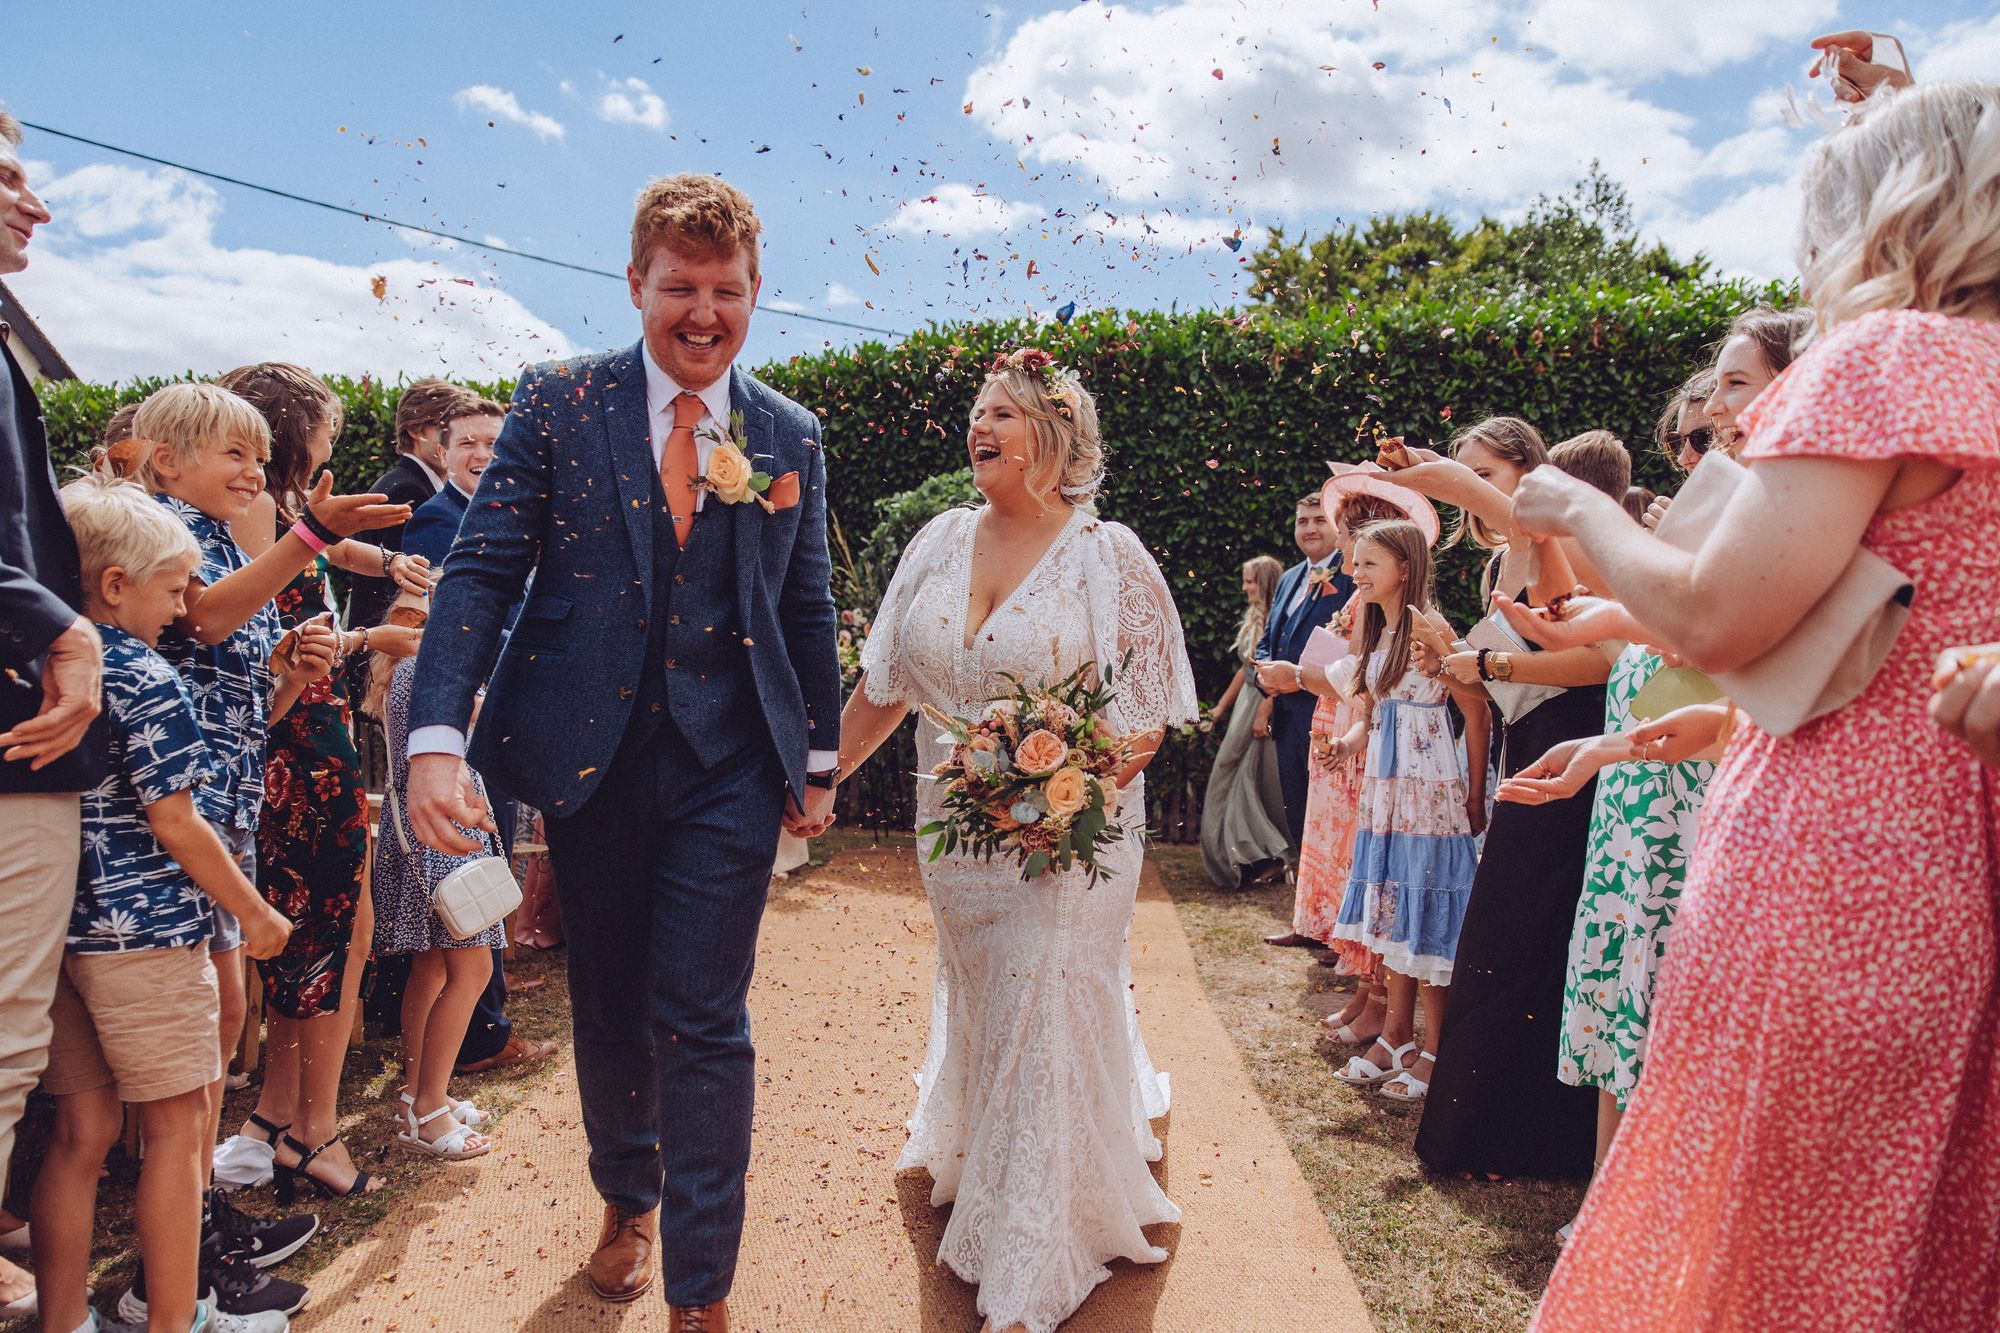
[[1111, 148]]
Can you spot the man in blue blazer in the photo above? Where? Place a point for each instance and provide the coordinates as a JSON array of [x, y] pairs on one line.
[[669, 696], [1308, 594]]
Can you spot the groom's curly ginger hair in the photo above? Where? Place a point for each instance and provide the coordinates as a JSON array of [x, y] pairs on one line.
[[697, 215]]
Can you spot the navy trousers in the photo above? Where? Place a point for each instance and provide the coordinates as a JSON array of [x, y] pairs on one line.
[[662, 877], [1291, 733]]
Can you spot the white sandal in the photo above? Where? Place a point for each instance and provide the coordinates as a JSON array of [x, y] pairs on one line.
[[467, 1113], [452, 1147], [1344, 1033], [1361, 1072], [1406, 1086]]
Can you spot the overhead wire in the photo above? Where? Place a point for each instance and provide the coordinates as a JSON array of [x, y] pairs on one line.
[[365, 216]]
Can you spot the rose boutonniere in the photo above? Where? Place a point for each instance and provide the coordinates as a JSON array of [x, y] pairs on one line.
[[1320, 581], [733, 476]]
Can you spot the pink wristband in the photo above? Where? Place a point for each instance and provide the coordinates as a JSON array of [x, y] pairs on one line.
[[306, 535]]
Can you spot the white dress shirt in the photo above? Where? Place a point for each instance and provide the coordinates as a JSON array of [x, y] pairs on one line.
[[1305, 585], [661, 391], [437, 478]]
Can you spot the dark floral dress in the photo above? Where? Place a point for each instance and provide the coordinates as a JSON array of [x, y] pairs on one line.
[[313, 833]]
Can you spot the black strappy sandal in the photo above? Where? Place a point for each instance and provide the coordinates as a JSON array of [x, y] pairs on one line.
[[271, 1131], [286, 1178]]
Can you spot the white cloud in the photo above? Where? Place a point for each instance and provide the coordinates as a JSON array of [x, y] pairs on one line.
[[1966, 50], [1749, 234], [503, 105], [839, 296], [128, 280], [1648, 41], [632, 102], [961, 210]]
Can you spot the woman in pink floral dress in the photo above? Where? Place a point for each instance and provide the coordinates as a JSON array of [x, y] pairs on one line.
[[1813, 1145]]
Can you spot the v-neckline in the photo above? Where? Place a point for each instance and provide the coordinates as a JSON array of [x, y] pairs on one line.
[[970, 639]]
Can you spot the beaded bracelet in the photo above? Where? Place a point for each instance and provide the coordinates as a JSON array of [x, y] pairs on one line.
[[1481, 664]]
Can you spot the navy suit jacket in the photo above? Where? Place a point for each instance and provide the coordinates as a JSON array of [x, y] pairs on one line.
[[567, 498], [1285, 632], [430, 531], [41, 587]]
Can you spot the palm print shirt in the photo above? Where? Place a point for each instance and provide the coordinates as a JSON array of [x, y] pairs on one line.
[[231, 682], [132, 894]]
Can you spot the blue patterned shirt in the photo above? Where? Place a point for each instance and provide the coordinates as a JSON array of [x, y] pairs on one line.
[[230, 682], [131, 893]]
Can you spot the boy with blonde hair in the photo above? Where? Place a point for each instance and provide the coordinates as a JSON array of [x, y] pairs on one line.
[[136, 1009], [206, 462]]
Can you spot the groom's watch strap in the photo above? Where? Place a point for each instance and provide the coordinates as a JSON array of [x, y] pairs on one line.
[[824, 781]]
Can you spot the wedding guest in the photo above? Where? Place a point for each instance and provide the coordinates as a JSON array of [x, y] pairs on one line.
[[136, 1010], [53, 747], [415, 476], [1307, 596], [446, 974], [469, 427], [312, 828], [1756, 1183], [1760, 343], [1413, 857], [1496, 1107], [1243, 839]]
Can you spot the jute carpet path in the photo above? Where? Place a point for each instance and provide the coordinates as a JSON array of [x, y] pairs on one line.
[[836, 1239]]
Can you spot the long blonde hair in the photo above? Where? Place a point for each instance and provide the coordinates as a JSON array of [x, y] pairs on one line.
[[1062, 425], [1902, 208], [1265, 570], [1404, 541]]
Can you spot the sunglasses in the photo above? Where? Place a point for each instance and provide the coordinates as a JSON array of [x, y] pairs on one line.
[[1697, 441]]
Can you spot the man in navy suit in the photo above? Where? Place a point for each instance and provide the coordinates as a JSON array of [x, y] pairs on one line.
[[1308, 594], [53, 741], [669, 696], [470, 428]]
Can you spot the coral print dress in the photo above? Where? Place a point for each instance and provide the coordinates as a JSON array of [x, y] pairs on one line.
[[1641, 832], [1814, 1145], [1036, 1092]]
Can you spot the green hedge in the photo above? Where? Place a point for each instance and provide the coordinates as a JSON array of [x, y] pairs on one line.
[[1214, 424]]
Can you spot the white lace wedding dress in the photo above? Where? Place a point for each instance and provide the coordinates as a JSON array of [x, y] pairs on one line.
[[1036, 1091]]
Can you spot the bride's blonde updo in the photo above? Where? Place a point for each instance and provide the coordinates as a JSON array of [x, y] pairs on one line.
[[1062, 424]]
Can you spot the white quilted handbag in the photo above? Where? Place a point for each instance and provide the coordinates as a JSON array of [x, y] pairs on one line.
[[472, 897]]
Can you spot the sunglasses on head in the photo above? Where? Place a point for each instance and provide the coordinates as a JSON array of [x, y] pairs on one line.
[[1698, 441]]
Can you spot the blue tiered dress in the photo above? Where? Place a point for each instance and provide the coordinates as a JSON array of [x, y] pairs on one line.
[[1414, 855]]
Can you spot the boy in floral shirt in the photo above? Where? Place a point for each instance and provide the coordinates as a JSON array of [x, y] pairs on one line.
[[136, 1006]]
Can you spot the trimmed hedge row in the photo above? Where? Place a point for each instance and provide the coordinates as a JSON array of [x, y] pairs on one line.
[[1214, 424]]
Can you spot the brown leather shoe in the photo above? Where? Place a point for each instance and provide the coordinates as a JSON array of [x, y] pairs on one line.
[[710, 1318], [623, 1267], [517, 1051]]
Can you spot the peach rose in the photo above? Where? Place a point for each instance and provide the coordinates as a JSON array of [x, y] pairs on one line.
[[1067, 791], [981, 741], [729, 474], [1040, 752]]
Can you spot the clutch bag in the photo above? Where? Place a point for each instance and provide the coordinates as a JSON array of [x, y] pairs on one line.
[[1515, 701], [473, 896], [1829, 658]]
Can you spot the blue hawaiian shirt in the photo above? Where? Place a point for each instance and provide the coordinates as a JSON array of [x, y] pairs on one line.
[[231, 682], [131, 893]]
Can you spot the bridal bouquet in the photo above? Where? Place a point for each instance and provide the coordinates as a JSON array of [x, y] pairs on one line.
[[1031, 777]]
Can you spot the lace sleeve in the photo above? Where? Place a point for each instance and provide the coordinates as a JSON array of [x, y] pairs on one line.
[[884, 663], [1155, 684]]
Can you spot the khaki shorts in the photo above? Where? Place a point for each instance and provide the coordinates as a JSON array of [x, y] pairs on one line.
[[148, 1021]]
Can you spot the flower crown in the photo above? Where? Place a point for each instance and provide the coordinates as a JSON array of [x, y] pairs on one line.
[[1038, 363]]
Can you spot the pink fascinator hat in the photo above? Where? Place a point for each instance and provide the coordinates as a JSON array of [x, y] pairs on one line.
[[1368, 479]]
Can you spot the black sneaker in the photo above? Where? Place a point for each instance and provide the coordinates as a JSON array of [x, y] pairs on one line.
[[241, 1289], [260, 1241]]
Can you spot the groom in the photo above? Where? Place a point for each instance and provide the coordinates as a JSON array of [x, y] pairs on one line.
[[668, 697]]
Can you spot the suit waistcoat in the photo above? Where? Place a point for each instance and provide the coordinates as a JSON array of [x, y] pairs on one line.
[[697, 674]]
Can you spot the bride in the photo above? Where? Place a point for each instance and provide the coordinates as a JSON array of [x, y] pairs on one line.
[[1035, 1096]]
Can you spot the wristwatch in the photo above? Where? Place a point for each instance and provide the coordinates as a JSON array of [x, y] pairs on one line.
[[824, 781], [1501, 665]]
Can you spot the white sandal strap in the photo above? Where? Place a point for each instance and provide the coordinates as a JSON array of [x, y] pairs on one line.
[[426, 1119]]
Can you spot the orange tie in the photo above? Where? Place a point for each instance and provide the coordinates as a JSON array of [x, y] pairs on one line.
[[680, 465]]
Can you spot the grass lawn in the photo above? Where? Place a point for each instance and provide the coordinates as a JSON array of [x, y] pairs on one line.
[[1432, 1256]]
